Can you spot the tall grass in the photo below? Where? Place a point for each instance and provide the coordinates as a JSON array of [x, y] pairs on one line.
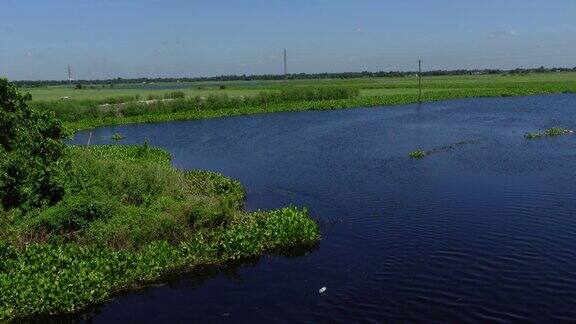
[[168, 95], [219, 107], [88, 114], [71, 111]]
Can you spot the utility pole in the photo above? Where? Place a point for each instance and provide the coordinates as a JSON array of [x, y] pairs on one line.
[[419, 81], [285, 66], [69, 75]]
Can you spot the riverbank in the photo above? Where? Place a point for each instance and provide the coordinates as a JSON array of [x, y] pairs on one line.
[[361, 101], [127, 219]]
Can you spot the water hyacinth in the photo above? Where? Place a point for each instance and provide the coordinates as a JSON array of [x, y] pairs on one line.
[[128, 218], [418, 154], [551, 132]]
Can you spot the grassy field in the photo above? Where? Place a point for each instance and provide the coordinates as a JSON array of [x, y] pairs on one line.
[[57, 92], [367, 86]]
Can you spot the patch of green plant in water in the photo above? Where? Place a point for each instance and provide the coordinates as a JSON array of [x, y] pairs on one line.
[[117, 137], [418, 154], [533, 135], [49, 278], [551, 132]]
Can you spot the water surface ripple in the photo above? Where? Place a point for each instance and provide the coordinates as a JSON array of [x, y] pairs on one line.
[[483, 231]]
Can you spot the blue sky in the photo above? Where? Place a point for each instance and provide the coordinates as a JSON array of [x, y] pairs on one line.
[[134, 38]]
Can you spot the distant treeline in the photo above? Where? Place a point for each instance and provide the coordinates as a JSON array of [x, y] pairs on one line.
[[295, 76]]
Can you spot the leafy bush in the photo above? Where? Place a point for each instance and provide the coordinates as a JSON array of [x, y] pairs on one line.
[[211, 183], [73, 213], [33, 156], [124, 197]]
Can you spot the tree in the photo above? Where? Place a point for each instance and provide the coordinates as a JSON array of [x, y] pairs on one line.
[[33, 155]]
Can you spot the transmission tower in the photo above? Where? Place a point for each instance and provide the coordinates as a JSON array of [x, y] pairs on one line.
[[69, 74], [285, 66]]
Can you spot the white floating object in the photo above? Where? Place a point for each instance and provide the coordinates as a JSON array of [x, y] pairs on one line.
[[322, 290]]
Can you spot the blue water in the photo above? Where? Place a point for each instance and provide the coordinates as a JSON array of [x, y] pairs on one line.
[[483, 230]]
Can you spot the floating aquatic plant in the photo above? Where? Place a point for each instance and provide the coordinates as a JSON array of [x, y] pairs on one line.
[[117, 137], [418, 154], [550, 132]]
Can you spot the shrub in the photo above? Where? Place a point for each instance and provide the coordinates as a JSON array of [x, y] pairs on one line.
[[128, 217], [33, 156], [73, 213]]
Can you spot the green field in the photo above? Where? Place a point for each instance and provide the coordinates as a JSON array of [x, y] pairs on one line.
[[96, 106], [367, 86]]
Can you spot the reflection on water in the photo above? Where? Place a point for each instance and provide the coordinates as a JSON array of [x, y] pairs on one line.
[[479, 231]]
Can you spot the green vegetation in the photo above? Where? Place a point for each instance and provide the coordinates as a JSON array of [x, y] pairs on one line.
[[150, 83], [117, 137], [124, 217], [70, 111], [418, 154], [206, 100], [368, 86], [168, 95], [32, 154], [551, 132], [86, 222]]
